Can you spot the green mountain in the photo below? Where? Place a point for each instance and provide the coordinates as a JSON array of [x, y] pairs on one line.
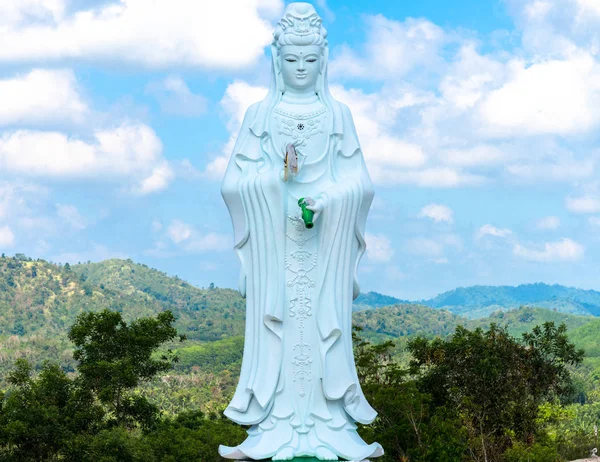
[[38, 296], [203, 314], [40, 300], [481, 301], [375, 300]]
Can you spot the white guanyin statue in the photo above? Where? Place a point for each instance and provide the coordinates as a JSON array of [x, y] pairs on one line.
[[298, 388]]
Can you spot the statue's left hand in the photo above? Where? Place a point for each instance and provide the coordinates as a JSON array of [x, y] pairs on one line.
[[317, 206]]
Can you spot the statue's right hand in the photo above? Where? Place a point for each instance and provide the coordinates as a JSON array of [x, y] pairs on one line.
[[317, 206]]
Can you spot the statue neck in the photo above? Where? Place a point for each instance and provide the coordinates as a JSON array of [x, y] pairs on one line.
[[294, 96]]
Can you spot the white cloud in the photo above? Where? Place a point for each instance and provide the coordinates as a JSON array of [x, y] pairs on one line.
[[175, 97], [40, 97], [469, 78], [392, 49], [589, 6], [392, 159], [479, 155], [239, 96], [211, 242], [14, 12], [7, 237], [188, 238], [438, 213], [24, 207], [375, 115], [159, 179], [556, 168], [179, 231], [583, 204], [550, 222], [379, 248], [557, 28], [442, 177], [551, 97], [563, 250], [490, 230], [69, 214], [130, 150], [226, 34]]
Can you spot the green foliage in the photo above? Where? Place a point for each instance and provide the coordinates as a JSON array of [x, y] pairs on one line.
[[215, 357], [191, 437], [40, 300], [202, 314], [406, 320], [536, 452], [495, 382], [41, 416], [115, 444], [89, 417], [375, 300], [114, 358], [407, 426]]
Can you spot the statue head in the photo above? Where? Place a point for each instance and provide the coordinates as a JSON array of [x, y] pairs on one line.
[[300, 48]]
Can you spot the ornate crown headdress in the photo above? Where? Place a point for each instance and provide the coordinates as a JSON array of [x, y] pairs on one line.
[[300, 25]]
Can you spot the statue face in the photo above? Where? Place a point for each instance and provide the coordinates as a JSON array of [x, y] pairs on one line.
[[300, 65]]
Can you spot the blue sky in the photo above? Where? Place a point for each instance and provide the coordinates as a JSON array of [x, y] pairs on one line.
[[479, 120]]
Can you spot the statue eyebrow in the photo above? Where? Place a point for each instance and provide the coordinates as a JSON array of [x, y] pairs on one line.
[[295, 55]]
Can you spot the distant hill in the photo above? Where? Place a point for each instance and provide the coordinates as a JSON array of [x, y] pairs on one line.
[[375, 300], [481, 301], [40, 297], [40, 300], [203, 314], [398, 321]]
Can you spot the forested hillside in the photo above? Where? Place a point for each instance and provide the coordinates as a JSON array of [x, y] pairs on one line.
[[481, 301], [39, 301]]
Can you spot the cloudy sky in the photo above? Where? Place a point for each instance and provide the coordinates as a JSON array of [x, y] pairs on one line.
[[479, 121]]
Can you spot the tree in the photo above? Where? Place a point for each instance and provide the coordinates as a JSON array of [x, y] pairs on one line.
[[191, 437], [94, 416], [114, 358], [41, 416], [494, 381], [407, 425]]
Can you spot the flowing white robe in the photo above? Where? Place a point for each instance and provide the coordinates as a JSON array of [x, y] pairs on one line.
[[257, 199]]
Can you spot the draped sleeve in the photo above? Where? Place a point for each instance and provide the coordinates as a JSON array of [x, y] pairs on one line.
[[253, 193], [344, 217]]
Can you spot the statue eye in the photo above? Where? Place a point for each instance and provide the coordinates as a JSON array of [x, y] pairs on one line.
[[311, 60], [290, 60]]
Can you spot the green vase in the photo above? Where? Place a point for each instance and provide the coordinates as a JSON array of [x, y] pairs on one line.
[[307, 215]]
